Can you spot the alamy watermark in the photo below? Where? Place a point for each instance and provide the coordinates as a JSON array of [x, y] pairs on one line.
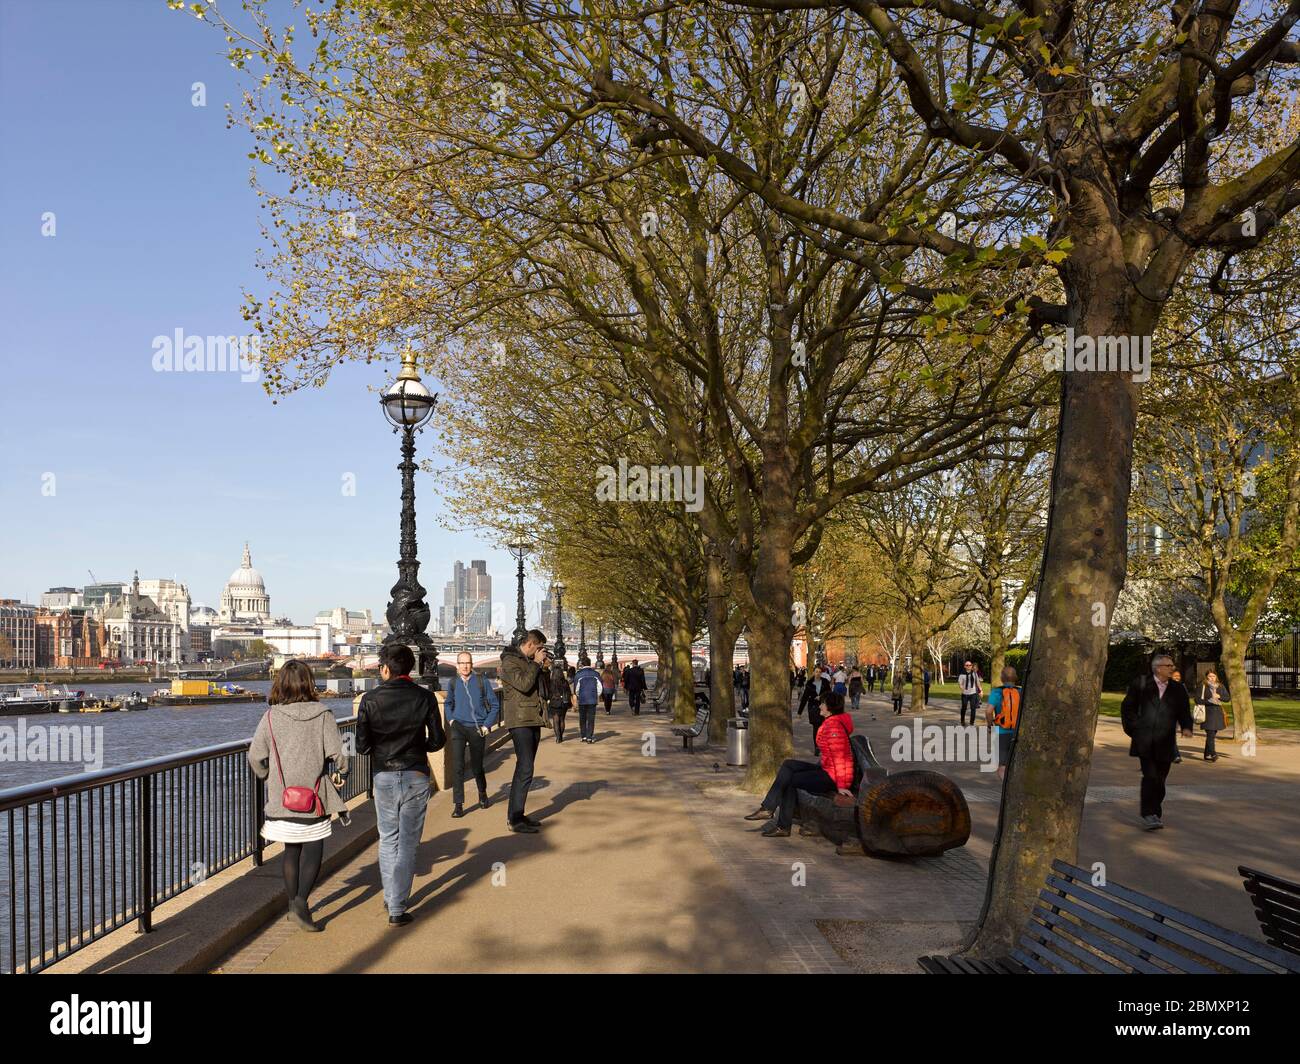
[[658, 483], [945, 743], [180, 353], [59, 743], [1098, 354]]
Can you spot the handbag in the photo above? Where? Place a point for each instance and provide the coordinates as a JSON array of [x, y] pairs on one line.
[[1198, 713], [296, 799]]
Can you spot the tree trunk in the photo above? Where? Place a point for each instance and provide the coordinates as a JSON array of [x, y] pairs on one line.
[[918, 673], [1242, 706], [682, 692], [1084, 565], [999, 636], [771, 629], [722, 652]]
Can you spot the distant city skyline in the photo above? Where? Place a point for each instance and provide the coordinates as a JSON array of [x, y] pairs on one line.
[[111, 243]]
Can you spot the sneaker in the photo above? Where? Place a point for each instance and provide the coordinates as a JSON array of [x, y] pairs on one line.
[[522, 827], [458, 812], [400, 920], [1151, 822], [529, 820], [484, 802]]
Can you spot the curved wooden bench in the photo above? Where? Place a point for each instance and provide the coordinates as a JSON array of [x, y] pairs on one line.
[[912, 814]]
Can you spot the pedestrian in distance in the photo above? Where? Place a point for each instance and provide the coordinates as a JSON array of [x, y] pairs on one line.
[[834, 773], [608, 686], [471, 708], [971, 686], [399, 725], [855, 687], [525, 690], [292, 748], [925, 680], [1209, 709], [1153, 706], [586, 688], [897, 692], [560, 699], [1003, 714], [1178, 679], [635, 685]]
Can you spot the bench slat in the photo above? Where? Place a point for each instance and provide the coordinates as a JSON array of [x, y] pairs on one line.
[[1060, 937], [1110, 948], [1221, 935], [1153, 947], [1044, 952], [1030, 963]]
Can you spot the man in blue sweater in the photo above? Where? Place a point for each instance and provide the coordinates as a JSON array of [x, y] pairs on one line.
[[472, 708]]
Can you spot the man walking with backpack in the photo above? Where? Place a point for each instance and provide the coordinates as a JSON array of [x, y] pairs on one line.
[[586, 686], [398, 725], [471, 709]]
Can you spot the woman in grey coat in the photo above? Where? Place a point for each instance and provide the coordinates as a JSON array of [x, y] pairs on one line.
[[1212, 697], [294, 741]]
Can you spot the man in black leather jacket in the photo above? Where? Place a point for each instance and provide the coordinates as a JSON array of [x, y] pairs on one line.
[[398, 725], [1153, 708]]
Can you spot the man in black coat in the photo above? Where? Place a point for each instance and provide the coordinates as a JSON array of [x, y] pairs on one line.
[[634, 684], [1153, 706]]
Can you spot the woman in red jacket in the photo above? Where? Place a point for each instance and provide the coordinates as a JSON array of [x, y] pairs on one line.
[[835, 773]]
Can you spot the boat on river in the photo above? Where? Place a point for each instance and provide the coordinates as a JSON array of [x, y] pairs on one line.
[[18, 700]]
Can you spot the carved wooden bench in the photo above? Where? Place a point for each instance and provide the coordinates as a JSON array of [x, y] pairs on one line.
[[914, 813], [1079, 928]]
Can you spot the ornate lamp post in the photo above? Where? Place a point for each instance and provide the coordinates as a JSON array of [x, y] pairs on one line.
[[600, 645], [559, 622], [518, 548], [613, 658], [582, 632], [408, 404]]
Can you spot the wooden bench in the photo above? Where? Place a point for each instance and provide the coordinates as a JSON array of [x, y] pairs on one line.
[[1077, 928], [691, 732], [1277, 907], [916, 813]]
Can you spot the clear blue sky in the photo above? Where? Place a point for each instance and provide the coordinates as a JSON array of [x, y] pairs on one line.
[[156, 230]]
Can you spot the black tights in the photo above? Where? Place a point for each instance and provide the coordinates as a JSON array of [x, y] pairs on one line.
[[301, 867]]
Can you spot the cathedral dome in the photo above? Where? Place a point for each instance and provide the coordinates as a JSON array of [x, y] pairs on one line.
[[244, 597]]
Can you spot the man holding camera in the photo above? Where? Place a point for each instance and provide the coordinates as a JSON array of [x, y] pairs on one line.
[[521, 672]]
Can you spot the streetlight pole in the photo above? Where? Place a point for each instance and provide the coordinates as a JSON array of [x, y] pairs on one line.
[[559, 622], [582, 632], [408, 404], [518, 548], [600, 645]]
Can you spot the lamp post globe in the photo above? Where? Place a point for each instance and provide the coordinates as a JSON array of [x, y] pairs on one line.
[[408, 405]]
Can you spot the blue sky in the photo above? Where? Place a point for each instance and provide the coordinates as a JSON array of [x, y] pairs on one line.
[[107, 464]]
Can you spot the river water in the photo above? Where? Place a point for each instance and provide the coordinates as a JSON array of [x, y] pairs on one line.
[[122, 738]]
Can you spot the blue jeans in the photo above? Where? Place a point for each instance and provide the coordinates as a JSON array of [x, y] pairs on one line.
[[401, 799], [525, 740], [587, 721]]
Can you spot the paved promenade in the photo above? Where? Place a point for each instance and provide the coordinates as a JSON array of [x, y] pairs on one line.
[[645, 865]]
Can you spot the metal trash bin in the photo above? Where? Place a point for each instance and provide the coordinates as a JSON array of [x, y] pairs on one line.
[[738, 741]]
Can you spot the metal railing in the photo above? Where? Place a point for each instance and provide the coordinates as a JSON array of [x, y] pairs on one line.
[[85, 855]]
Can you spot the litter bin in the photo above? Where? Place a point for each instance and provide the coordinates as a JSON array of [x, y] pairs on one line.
[[738, 741]]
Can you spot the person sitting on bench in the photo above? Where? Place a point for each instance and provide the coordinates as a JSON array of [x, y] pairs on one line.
[[835, 773]]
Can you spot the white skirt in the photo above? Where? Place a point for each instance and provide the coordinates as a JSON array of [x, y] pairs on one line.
[[296, 830]]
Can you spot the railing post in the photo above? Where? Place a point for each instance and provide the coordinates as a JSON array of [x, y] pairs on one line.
[[259, 814], [144, 875]]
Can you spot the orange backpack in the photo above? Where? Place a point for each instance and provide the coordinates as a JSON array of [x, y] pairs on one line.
[[1009, 712]]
